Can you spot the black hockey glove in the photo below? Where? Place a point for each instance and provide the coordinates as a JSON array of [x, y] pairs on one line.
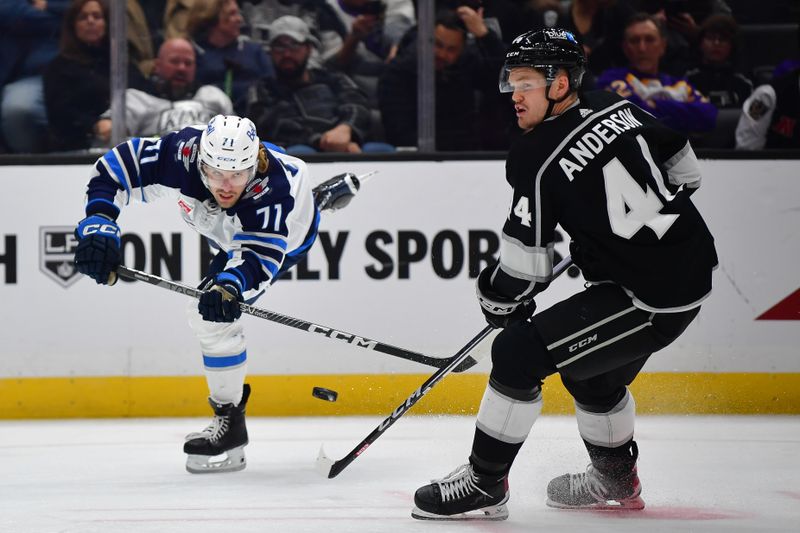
[[98, 252], [220, 303], [336, 192], [500, 311]]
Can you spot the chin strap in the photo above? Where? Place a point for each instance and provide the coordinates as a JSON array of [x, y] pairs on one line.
[[552, 101]]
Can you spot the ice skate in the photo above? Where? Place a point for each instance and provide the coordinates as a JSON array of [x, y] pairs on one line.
[[220, 446], [594, 490], [463, 495]]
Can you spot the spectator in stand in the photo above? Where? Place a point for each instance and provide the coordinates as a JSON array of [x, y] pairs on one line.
[[176, 18], [360, 37], [225, 58], [771, 115], [672, 100], [506, 18], [716, 76], [599, 26], [140, 41], [305, 109], [681, 20], [28, 42], [173, 101], [260, 14], [76, 82], [461, 72]]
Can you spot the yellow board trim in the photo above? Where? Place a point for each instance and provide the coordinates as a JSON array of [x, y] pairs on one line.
[[379, 394]]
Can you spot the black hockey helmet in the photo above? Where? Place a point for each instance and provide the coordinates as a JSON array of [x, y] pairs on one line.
[[546, 51]]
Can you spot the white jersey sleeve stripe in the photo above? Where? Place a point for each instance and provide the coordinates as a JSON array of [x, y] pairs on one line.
[[531, 263], [683, 168], [112, 165], [273, 240]]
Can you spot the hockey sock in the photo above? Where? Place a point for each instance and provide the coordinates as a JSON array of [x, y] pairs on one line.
[[608, 435], [505, 418]]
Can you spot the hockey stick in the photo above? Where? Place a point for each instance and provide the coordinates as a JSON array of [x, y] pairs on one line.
[[303, 325], [330, 468]]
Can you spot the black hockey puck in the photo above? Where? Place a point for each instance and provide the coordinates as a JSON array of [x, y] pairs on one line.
[[324, 394]]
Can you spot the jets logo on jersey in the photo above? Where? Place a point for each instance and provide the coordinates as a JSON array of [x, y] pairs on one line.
[[257, 188], [187, 152]]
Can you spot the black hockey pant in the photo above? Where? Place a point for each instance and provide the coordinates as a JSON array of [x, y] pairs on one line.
[[597, 340]]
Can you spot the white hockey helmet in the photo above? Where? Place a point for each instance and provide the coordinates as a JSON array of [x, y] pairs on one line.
[[229, 143]]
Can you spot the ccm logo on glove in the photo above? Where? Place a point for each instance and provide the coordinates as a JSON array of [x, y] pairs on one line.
[[110, 230]]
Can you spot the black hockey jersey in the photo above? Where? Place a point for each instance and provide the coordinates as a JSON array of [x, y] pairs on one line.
[[618, 182]]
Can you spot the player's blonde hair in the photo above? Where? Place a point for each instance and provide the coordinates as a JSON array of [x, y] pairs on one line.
[[263, 162]]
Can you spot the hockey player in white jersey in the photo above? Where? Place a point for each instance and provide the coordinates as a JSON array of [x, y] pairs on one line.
[[618, 181], [254, 203]]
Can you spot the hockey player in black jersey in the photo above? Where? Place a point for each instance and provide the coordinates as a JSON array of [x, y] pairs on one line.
[[618, 182]]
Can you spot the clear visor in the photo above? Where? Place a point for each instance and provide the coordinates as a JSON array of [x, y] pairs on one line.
[[520, 79], [218, 177]]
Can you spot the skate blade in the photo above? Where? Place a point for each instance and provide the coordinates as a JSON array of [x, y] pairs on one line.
[[495, 512], [631, 504], [231, 461]]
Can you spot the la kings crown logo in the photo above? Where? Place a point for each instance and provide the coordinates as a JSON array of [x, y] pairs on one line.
[[56, 254]]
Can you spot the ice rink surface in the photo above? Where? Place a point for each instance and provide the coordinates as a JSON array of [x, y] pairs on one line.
[[700, 474]]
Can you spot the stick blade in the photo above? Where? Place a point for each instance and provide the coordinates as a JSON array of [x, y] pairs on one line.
[[324, 464]]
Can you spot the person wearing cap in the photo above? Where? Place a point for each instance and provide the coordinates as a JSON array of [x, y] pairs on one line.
[[308, 109]]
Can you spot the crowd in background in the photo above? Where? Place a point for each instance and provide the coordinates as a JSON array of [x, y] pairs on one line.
[[341, 75]]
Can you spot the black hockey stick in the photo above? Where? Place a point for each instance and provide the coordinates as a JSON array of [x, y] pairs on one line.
[[330, 468], [332, 333]]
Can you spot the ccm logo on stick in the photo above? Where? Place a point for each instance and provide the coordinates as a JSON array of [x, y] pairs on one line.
[[583, 342], [352, 339]]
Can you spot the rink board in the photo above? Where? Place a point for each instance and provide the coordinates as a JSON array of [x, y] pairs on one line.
[[398, 266]]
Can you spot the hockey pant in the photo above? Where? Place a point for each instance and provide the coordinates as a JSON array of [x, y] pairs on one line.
[[223, 343], [598, 341]]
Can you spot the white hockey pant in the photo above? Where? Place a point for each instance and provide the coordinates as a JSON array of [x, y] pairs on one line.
[[224, 355]]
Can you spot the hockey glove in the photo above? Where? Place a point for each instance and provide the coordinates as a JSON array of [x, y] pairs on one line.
[[336, 192], [220, 303], [98, 252], [500, 311]]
